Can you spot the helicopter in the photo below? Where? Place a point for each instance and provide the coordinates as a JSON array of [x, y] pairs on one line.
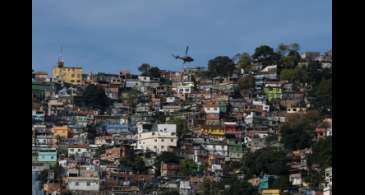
[[185, 58]]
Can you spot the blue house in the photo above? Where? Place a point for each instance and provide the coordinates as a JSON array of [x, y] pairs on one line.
[[116, 128], [47, 155]]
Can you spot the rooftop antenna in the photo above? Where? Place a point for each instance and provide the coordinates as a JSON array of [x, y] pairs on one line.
[[61, 61]]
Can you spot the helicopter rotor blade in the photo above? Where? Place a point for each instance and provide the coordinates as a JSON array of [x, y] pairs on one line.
[[186, 50]]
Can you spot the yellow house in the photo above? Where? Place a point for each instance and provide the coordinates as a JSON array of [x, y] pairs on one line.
[[271, 192], [61, 131], [72, 75], [213, 132]]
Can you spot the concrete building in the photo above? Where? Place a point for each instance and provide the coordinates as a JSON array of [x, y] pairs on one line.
[[77, 150], [85, 178], [72, 75], [159, 139]]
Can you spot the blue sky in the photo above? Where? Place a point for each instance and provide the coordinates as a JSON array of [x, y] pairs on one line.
[[114, 35]]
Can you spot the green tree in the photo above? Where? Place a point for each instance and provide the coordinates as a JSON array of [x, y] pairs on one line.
[[188, 167], [280, 182], [290, 61], [283, 49], [138, 165], [91, 132], [298, 132], [288, 74], [134, 162], [245, 61], [130, 96], [295, 47], [246, 85], [297, 137], [221, 66], [166, 157], [160, 117], [237, 187], [248, 189], [272, 161], [144, 69], [321, 96], [322, 153], [314, 71], [300, 75], [266, 55], [297, 76], [207, 187], [271, 139], [154, 72], [95, 97]]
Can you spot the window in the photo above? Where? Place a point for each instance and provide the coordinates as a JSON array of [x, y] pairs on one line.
[[72, 75], [162, 140], [155, 140], [72, 81], [172, 140], [77, 183], [79, 150], [162, 147], [78, 75], [72, 150], [88, 183]]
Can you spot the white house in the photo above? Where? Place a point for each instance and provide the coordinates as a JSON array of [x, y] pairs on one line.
[[83, 184], [84, 178], [77, 150], [269, 68], [295, 179], [157, 140], [216, 149], [327, 190], [184, 88], [144, 78], [212, 109]]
